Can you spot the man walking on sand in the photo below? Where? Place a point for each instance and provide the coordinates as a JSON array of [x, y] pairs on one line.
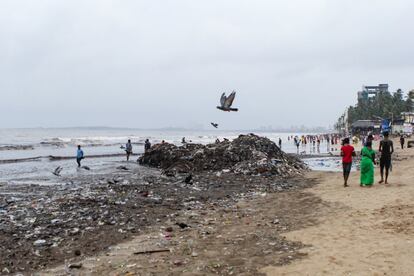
[[79, 156], [128, 149], [386, 148], [402, 141], [347, 151]]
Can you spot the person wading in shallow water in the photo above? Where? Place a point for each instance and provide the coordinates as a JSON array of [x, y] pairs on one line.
[[347, 151], [147, 145], [128, 149], [79, 156], [386, 148]]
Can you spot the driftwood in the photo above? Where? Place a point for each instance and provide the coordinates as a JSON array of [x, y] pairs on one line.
[[151, 251]]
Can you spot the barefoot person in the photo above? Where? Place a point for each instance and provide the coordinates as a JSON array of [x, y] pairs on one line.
[[128, 149], [347, 151], [386, 148], [367, 164], [402, 141], [79, 156]]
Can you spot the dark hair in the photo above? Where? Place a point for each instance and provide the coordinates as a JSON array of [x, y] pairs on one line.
[[345, 141], [386, 134], [368, 144], [79, 146]]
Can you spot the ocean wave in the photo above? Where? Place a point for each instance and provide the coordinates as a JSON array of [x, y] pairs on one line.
[[19, 160], [57, 142], [16, 147], [57, 158], [100, 141], [109, 141]]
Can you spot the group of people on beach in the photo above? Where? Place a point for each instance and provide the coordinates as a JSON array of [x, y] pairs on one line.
[[127, 148], [315, 141], [368, 159], [368, 154]]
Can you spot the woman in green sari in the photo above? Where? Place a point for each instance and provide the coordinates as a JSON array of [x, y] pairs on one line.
[[367, 165]]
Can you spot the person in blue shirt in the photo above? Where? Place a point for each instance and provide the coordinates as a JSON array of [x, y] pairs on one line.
[[79, 156]]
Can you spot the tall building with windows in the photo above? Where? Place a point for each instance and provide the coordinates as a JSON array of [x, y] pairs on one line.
[[372, 91]]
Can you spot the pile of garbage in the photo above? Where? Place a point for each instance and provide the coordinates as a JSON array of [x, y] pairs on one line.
[[247, 154]]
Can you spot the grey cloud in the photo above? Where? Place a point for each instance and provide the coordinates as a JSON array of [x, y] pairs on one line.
[[165, 63]]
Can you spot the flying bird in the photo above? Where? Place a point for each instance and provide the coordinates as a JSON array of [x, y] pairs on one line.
[[226, 102], [214, 125], [57, 171]]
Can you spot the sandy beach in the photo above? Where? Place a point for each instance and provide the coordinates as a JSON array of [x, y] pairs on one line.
[[370, 230]]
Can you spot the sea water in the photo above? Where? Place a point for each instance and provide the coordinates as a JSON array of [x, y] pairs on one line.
[[25, 153]]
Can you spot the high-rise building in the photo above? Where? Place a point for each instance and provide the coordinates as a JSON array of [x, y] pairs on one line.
[[372, 91]]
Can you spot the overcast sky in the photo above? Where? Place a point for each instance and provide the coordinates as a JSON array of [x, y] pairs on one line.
[[160, 63]]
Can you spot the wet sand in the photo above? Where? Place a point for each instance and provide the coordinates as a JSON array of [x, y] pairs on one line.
[[231, 239], [83, 215], [370, 230]]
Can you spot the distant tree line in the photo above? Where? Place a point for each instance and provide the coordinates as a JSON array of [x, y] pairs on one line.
[[384, 105]]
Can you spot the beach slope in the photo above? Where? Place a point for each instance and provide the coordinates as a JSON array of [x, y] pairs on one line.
[[370, 231]]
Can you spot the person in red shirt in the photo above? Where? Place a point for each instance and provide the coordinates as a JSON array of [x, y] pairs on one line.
[[347, 151]]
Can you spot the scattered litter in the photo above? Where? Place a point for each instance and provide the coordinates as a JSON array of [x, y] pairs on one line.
[[39, 242], [75, 266], [247, 154], [182, 225]]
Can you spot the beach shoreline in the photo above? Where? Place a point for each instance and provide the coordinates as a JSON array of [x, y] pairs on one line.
[[101, 220], [317, 228]]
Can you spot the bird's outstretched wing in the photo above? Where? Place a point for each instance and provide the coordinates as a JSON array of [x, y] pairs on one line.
[[230, 99], [223, 99]]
